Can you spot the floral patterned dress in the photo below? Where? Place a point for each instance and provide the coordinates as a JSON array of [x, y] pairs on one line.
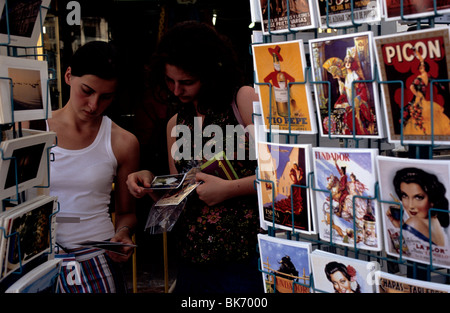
[[227, 231]]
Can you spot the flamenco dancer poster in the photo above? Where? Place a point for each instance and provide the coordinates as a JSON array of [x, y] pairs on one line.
[[415, 209], [344, 189], [346, 97], [283, 177], [418, 111]]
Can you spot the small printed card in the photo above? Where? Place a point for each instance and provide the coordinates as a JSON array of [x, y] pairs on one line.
[[167, 181]]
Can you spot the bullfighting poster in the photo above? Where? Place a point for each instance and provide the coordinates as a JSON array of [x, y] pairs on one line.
[[283, 172], [344, 191], [285, 97], [345, 88], [414, 72], [414, 197], [285, 264]]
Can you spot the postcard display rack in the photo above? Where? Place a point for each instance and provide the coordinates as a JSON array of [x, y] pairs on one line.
[[27, 215], [343, 131]]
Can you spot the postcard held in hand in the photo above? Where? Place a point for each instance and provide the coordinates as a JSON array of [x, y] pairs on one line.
[[219, 166]]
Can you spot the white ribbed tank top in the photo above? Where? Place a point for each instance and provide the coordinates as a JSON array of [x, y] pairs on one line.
[[82, 181]]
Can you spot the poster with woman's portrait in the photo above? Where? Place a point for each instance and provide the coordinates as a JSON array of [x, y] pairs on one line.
[[283, 174], [334, 273], [414, 74], [344, 85], [415, 209]]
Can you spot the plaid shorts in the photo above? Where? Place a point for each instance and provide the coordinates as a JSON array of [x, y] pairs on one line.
[[89, 271]]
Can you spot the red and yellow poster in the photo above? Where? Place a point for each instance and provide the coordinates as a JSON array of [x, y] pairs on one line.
[[414, 69], [284, 94]]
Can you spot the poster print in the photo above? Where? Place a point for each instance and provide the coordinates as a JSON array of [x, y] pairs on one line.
[[421, 60], [338, 13], [285, 264], [390, 283], [287, 15], [280, 80], [283, 170], [344, 184], [334, 273], [345, 89], [414, 8], [415, 203]]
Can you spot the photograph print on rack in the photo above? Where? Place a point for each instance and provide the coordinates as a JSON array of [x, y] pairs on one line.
[[344, 85], [285, 98], [25, 20], [411, 9], [24, 162], [285, 264], [283, 177], [339, 13], [414, 198], [286, 16], [344, 190], [30, 99], [29, 232], [418, 61]]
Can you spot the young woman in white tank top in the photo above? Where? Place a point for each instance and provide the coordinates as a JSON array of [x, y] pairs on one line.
[[92, 153]]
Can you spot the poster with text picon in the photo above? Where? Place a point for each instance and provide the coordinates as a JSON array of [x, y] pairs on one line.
[[414, 70], [285, 97]]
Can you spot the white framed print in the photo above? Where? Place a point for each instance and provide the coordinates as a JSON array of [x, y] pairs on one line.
[[24, 24], [28, 80], [24, 162]]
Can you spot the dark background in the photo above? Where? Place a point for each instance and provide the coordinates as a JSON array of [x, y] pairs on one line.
[[135, 26]]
